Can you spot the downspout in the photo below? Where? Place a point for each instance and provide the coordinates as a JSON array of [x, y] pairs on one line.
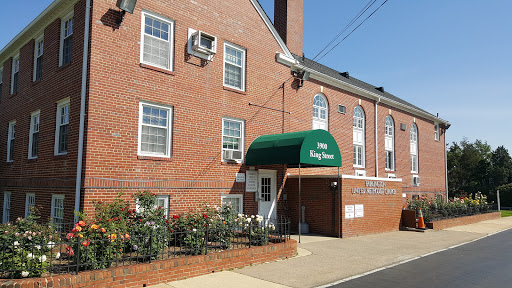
[[376, 140], [446, 165], [82, 109]]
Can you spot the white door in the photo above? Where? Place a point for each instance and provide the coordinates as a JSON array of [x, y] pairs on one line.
[[267, 204]]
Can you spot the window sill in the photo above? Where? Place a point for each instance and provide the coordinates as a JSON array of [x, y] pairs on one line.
[[231, 163], [234, 90], [31, 160], [34, 83], [10, 162], [154, 68], [154, 158], [64, 66], [60, 156]]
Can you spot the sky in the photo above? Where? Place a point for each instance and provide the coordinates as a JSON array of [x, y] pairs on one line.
[[448, 57]]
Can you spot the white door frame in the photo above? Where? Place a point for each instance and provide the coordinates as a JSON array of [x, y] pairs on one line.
[[272, 210]]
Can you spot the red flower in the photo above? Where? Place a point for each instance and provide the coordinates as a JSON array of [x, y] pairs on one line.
[[99, 202], [109, 220], [172, 230], [129, 211], [115, 218], [69, 236], [73, 230], [164, 216], [167, 221], [134, 210], [159, 207], [101, 219], [205, 216], [140, 220], [69, 251], [153, 194], [85, 243], [122, 209]]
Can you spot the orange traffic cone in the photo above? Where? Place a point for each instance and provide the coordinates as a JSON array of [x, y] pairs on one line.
[[421, 222]]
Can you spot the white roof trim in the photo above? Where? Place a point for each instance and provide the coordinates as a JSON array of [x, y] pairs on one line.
[[358, 90], [33, 27], [271, 27]]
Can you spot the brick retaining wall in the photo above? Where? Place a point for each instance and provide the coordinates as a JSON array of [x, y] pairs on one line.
[[142, 275], [447, 223]]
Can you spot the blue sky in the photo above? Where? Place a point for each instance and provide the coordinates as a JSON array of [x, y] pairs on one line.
[[448, 57]]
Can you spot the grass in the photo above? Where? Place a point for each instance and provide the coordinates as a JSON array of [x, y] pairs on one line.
[[506, 213]]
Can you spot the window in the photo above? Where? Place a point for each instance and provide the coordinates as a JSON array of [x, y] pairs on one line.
[[320, 112], [38, 59], [358, 137], [414, 148], [157, 33], [7, 207], [234, 66], [436, 132], [154, 130], [232, 139], [1, 82], [62, 130], [33, 141], [57, 211], [10, 141], [30, 203], [66, 42], [235, 200], [389, 139], [163, 201], [15, 74]]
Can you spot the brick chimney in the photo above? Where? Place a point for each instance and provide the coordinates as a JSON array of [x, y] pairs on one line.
[[288, 20]]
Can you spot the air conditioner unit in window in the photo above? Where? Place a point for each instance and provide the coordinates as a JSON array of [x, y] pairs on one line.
[[342, 109], [232, 155], [204, 43], [415, 180]]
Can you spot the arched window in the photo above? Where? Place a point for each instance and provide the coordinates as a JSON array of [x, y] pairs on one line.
[[414, 148], [320, 112], [358, 131], [389, 137]]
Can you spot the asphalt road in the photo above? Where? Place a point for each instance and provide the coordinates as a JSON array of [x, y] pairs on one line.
[[483, 263]]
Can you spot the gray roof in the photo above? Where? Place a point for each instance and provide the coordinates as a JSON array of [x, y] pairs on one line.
[[352, 81]]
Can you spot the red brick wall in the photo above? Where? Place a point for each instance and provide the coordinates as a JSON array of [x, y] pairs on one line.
[[163, 271], [447, 223], [48, 174], [381, 212]]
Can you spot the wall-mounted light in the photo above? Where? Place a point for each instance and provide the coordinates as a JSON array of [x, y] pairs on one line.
[[302, 76], [333, 186], [125, 6]]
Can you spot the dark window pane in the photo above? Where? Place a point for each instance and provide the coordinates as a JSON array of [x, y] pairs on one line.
[[35, 144], [39, 68], [15, 83], [11, 150], [67, 50], [63, 139]]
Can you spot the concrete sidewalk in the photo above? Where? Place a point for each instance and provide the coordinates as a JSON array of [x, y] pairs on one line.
[[323, 260]]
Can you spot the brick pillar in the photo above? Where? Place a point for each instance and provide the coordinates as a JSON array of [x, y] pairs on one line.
[[288, 21]]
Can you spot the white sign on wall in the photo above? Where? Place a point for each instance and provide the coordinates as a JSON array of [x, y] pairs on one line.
[[240, 177], [349, 211], [359, 210], [251, 181]]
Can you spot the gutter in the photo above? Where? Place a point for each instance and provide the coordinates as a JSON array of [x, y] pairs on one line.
[[82, 109]]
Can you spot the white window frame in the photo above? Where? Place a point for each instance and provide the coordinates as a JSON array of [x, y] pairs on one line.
[[414, 149], [11, 136], [30, 201], [171, 39], [58, 123], [389, 143], [164, 198], [52, 217], [169, 109], [240, 208], [436, 131], [38, 40], [62, 28], [7, 207], [241, 147], [358, 138], [15, 68], [243, 51], [33, 116], [318, 122]]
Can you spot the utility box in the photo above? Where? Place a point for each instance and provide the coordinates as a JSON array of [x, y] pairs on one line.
[[409, 218]]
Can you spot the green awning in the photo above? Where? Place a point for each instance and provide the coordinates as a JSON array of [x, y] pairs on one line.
[[314, 148]]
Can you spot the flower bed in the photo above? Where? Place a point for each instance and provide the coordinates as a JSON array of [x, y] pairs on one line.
[[437, 209], [117, 235]]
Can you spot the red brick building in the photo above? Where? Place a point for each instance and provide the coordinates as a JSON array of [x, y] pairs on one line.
[[169, 101]]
